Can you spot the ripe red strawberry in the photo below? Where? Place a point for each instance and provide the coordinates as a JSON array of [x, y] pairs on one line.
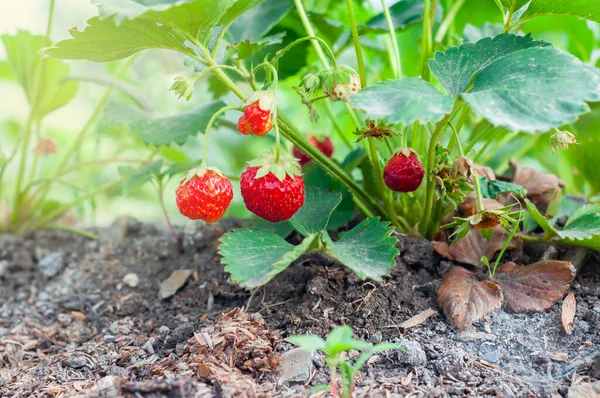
[[404, 171], [325, 147], [273, 192], [204, 194], [255, 120]]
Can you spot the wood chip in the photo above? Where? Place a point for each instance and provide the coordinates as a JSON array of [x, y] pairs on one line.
[[569, 306], [417, 319]]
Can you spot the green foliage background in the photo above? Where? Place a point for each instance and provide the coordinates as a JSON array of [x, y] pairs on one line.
[[121, 130]]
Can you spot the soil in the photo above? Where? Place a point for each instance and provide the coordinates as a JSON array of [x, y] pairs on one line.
[[71, 326]]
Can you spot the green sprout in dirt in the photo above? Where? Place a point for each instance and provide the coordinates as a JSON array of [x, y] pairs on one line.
[[336, 348]]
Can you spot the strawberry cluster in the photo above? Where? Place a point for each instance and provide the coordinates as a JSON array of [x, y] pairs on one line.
[[272, 186]]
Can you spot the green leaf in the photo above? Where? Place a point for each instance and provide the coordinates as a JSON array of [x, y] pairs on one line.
[[316, 211], [253, 257], [259, 21], [588, 9], [518, 83], [41, 79], [340, 339], [162, 130], [544, 88], [404, 14], [403, 101], [202, 19], [309, 342], [367, 249], [582, 228], [316, 177], [457, 66], [104, 40], [497, 187], [136, 178], [246, 49]]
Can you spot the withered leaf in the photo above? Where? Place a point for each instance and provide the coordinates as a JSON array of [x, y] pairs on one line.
[[534, 287], [541, 188], [465, 299], [569, 306], [473, 246]]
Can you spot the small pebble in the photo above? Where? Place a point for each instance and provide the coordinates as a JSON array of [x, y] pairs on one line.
[[131, 280]]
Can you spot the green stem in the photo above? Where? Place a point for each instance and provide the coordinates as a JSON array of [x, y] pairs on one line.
[[382, 187], [424, 71], [448, 19], [161, 199], [356, 40], [312, 36], [22, 164], [395, 48], [74, 230], [328, 165], [435, 137], [336, 125], [207, 133]]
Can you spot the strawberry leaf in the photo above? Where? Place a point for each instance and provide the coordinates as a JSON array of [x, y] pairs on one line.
[[582, 228], [253, 256], [369, 249], [316, 211], [457, 67], [465, 299], [517, 83], [125, 27], [588, 9], [162, 130], [534, 287], [403, 101]]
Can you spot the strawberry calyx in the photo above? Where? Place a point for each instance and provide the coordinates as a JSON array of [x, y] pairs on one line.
[[286, 166], [265, 99], [199, 172]]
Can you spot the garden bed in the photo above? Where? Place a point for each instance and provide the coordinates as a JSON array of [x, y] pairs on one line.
[[70, 324]]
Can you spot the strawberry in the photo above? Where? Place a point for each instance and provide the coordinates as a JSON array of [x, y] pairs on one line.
[[257, 114], [325, 147], [344, 89], [404, 171], [273, 190], [204, 194]]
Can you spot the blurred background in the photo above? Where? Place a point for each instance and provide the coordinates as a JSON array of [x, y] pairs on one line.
[[152, 73]]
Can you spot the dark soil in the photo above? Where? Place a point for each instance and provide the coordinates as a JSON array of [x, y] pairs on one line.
[[70, 326]]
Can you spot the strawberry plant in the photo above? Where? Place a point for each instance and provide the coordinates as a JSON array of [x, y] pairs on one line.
[[337, 345], [419, 136]]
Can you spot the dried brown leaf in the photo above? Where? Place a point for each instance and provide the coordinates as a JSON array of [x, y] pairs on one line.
[[534, 287], [541, 188], [417, 319], [473, 246], [173, 283], [465, 299], [567, 316]]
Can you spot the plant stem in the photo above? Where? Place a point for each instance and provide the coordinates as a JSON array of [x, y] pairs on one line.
[[425, 41], [74, 230], [328, 165], [207, 133], [311, 32], [357, 49], [443, 29], [312, 36], [395, 49], [435, 137], [176, 240]]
